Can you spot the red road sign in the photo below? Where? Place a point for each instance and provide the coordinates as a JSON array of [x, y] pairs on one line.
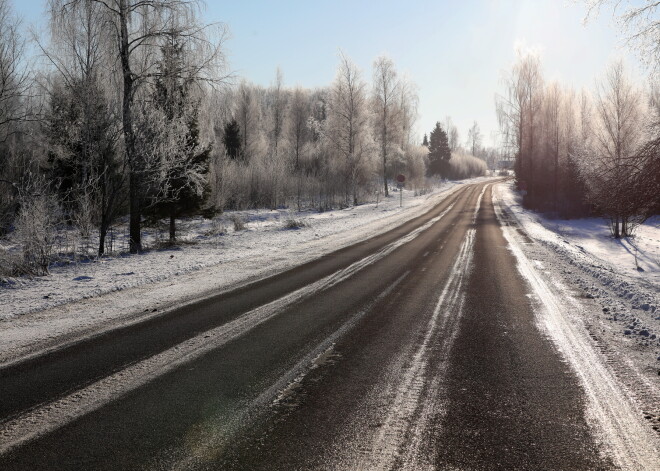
[[400, 178]]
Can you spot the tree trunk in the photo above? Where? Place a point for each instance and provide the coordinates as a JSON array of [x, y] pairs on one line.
[[102, 234], [172, 222], [385, 166], [617, 234], [134, 233], [129, 137]]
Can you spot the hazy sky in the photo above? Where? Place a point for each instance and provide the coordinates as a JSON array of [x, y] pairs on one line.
[[455, 51]]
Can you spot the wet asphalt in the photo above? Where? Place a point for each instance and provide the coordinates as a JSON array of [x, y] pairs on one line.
[[338, 380]]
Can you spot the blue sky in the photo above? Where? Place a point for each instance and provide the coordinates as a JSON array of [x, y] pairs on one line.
[[455, 51]]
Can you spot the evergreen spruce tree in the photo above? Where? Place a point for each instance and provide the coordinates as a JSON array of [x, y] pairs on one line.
[[232, 139], [425, 142], [182, 196], [439, 152], [84, 166]]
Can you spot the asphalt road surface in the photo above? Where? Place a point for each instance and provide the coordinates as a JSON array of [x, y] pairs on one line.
[[417, 349]]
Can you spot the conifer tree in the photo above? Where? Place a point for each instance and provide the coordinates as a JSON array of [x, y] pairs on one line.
[[232, 139], [439, 152], [182, 185]]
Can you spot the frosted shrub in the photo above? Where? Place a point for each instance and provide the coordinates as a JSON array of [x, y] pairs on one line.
[[35, 230], [239, 222], [217, 228], [292, 223], [464, 165], [10, 263]]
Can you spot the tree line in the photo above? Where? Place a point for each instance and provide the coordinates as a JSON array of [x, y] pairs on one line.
[[587, 152], [128, 110]]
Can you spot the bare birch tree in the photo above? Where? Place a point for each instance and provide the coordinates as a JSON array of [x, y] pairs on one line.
[[517, 112], [614, 164], [474, 139], [453, 137], [14, 71], [346, 127], [386, 112]]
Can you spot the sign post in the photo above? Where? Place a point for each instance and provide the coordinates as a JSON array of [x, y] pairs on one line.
[[400, 181]]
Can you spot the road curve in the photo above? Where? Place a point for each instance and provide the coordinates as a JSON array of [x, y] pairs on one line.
[[417, 349]]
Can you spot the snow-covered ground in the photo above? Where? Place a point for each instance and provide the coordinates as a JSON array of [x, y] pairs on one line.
[[637, 257], [84, 298], [601, 312]]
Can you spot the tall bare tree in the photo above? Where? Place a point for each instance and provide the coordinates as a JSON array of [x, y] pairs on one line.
[[278, 109], [15, 83], [299, 133], [553, 119], [614, 163], [14, 71], [474, 138], [386, 112], [346, 127], [247, 116], [453, 136], [517, 112]]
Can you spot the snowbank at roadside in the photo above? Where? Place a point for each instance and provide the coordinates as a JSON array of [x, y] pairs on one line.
[[637, 257], [612, 273], [80, 299]]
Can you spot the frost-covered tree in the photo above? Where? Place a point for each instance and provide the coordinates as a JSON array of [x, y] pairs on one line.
[[14, 71], [474, 138], [299, 135], [614, 161], [517, 111], [181, 181], [82, 123], [247, 116], [277, 113], [85, 168], [386, 112], [137, 29], [346, 128], [453, 137], [15, 94], [640, 22]]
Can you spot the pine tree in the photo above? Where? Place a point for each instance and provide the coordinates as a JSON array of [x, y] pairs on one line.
[[425, 142], [84, 165], [180, 192], [232, 139], [439, 152]]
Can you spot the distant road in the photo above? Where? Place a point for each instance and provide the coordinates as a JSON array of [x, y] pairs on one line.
[[416, 349]]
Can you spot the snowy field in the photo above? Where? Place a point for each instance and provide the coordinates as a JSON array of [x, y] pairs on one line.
[[84, 298], [591, 297]]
